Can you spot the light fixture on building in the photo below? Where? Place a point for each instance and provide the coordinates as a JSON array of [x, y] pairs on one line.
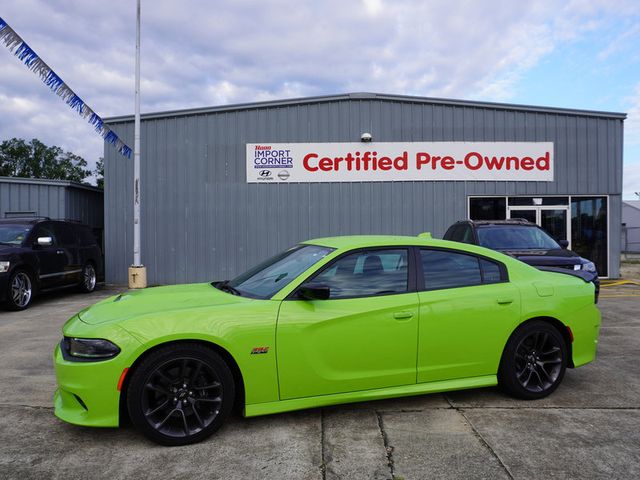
[[366, 137], [537, 201]]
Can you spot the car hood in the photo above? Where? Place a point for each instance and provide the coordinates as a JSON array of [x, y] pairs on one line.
[[134, 303], [555, 257], [6, 250]]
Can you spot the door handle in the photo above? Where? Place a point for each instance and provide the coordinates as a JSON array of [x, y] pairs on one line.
[[505, 300], [402, 315]]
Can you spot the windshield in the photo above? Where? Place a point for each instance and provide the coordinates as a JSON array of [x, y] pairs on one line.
[[512, 237], [271, 276], [13, 233]]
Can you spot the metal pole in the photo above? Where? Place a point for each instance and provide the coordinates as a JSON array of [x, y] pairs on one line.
[[136, 152], [137, 272]]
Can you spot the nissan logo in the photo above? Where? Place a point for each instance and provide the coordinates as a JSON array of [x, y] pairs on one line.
[[283, 175], [264, 173]]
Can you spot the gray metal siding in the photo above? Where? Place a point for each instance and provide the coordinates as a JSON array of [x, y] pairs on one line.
[[44, 200], [54, 199], [85, 206], [202, 221]]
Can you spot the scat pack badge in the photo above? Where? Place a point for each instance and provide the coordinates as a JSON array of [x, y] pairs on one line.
[[259, 350]]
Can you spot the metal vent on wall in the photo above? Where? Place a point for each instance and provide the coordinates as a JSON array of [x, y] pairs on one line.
[[20, 214]]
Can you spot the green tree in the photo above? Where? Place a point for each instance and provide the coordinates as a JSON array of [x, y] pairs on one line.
[[99, 173], [37, 160]]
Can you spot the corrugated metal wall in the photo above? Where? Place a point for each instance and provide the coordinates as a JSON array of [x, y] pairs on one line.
[[52, 199], [202, 221], [26, 198], [86, 206]]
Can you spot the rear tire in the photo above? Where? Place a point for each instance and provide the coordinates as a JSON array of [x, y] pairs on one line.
[[534, 361], [180, 394], [89, 279], [21, 290]]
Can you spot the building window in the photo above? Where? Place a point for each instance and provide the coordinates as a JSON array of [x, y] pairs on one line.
[[488, 208], [589, 230]]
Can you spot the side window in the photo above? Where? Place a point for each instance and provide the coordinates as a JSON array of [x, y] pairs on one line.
[[446, 269], [451, 233], [86, 237], [366, 274], [65, 234], [490, 271], [466, 235], [45, 230]]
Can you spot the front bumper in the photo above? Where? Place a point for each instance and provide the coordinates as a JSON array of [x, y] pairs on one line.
[[4, 286], [87, 392]]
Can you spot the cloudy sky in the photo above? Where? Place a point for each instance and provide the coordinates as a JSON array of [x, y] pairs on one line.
[[578, 54]]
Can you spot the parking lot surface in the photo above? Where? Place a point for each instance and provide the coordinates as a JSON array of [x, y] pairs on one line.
[[589, 428]]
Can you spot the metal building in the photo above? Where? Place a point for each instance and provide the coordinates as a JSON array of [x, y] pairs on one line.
[[631, 226], [58, 199], [203, 218]]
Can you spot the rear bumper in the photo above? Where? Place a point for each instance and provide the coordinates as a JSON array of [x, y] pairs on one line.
[[586, 333]]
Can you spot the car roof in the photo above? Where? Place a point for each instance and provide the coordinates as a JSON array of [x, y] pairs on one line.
[[364, 241], [22, 221], [36, 220], [511, 221]]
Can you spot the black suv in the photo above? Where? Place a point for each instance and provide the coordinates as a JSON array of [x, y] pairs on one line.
[[39, 254], [524, 240]]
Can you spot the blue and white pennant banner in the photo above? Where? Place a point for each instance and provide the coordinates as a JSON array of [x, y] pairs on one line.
[[26, 55]]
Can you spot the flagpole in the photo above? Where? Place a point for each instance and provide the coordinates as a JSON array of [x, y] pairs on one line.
[[137, 272]]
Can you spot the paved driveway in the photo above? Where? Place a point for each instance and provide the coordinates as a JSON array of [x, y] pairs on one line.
[[590, 428]]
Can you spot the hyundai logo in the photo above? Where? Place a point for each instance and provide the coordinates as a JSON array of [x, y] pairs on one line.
[[265, 173]]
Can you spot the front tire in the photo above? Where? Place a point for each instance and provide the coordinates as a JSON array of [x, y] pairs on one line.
[[180, 394], [534, 361], [20, 291]]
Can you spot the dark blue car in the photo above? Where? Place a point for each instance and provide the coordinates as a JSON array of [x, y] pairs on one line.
[[526, 241]]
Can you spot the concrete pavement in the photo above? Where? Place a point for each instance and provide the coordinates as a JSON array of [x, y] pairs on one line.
[[589, 428]]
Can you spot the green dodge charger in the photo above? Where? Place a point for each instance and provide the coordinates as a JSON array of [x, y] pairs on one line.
[[329, 321]]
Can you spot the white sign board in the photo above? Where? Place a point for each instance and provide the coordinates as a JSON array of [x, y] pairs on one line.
[[395, 161]]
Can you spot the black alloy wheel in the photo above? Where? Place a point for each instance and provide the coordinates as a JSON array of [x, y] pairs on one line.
[[180, 394], [534, 361]]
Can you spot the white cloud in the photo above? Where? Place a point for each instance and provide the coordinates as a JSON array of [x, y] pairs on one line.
[[196, 53]]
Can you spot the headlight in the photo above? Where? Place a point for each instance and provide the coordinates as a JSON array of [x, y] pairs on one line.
[[91, 348], [4, 266], [589, 267]]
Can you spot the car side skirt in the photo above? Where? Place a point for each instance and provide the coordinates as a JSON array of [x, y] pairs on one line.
[[366, 395]]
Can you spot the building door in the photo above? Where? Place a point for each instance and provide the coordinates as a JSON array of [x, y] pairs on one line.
[[554, 219]]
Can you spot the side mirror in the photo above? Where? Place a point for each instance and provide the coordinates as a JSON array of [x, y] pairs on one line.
[[314, 292], [563, 243], [45, 241]]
